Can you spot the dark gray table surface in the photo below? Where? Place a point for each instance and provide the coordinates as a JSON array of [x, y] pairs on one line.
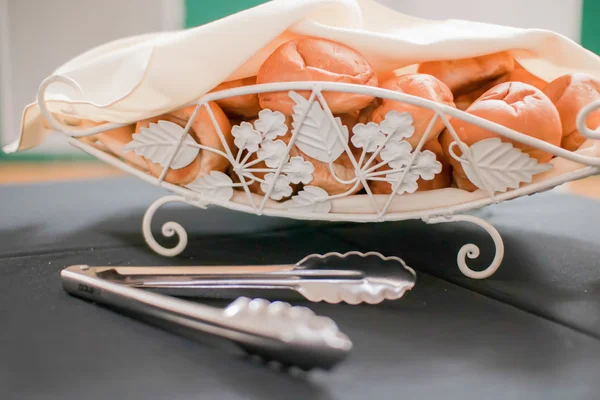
[[532, 331]]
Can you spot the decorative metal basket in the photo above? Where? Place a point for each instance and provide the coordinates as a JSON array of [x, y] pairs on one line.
[[500, 171]]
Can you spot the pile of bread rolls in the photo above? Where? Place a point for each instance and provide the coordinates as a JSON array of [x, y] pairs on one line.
[[494, 87]]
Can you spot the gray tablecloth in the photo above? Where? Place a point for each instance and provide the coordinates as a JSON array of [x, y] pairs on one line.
[[532, 331]]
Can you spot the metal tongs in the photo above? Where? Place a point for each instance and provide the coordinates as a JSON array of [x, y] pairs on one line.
[[274, 331], [291, 336], [352, 278]]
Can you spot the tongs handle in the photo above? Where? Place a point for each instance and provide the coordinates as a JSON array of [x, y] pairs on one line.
[[226, 280], [277, 331]]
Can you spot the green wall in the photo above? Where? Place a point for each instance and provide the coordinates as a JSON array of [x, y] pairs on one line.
[[199, 12], [590, 25]]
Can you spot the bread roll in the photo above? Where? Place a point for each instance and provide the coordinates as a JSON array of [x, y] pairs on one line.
[[114, 140], [254, 186], [245, 106], [444, 178], [468, 74], [420, 85], [519, 74], [464, 101], [570, 93], [322, 176], [309, 59], [343, 166], [383, 76], [203, 132], [439, 181], [364, 116], [516, 105]]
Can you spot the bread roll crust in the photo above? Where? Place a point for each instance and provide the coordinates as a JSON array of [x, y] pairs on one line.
[[114, 140], [322, 177], [516, 105], [467, 74], [519, 74], [310, 59], [439, 181], [420, 85], [245, 106], [204, 132], [570, 93], [343, 166], [444, 178]]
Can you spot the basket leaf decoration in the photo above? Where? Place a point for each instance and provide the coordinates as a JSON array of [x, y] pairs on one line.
[[317, 133], [215, 185], [311, 199], [260, 140], [158, 142], [501, 166], [384, 156]]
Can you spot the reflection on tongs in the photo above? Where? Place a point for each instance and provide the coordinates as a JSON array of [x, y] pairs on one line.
[[274, 331], [352, 278]]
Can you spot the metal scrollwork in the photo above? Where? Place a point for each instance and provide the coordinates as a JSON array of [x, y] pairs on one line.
[[471, 250], [168, 229]]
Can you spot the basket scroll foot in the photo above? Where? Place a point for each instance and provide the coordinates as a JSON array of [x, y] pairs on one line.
[[471, 250], [168, 229]]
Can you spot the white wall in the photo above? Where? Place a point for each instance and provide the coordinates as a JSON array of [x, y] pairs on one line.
[[37, 36]]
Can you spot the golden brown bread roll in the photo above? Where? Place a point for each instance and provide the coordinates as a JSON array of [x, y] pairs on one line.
[[203, 132], [421, 85], [516, 105], [519, 74], [468, 74], [322, 176], [245, 106], [114, 140], [444, 178], [464, 101], [309, 59], [570, 93], [364, 116], [440, 181], [254, 186], [343, 166], [383, 76]]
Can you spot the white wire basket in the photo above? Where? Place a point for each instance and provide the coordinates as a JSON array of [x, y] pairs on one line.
[[500, 171]]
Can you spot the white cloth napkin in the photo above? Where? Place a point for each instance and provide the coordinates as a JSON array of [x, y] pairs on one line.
[[143, 76]]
